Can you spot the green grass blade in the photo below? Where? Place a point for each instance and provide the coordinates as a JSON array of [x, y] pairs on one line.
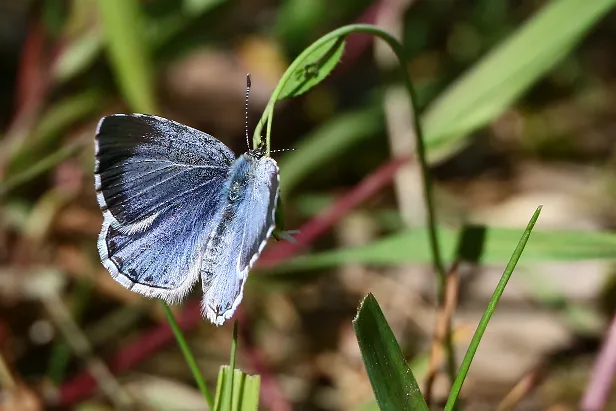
[[227, 398], [61, 352], [314, 68], [40, 167], [78, 56], [483, 323], [411, 247], [128, 52], [393, 383], [188, 356], [504, 74], [245, 390], [236, 391], [248, 396]]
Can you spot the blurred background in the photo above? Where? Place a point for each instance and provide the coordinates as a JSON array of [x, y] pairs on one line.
[[517, 100]]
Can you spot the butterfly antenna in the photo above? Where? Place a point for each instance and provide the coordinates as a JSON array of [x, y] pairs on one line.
[[282, 149], [248, 84]]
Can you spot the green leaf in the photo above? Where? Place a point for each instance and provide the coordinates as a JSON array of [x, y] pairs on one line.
[[326, 143], [393, 383], [483, 323], [313, 68], [245, 389], [77, 56], [412, 247], [128, 52], [493, 84]]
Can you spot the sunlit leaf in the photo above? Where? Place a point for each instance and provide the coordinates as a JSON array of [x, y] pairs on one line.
[[313, 68], [483, 323], [412, 247], [393, 383]]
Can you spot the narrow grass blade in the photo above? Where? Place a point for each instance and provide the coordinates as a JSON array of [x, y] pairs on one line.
[[326, 143], [411, 247], [226, 399], [504, 74], [483, 323], [128, 52], [188, 356], [393, 383], [40, 167]]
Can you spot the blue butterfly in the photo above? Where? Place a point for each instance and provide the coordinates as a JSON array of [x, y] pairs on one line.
[[178, 206]]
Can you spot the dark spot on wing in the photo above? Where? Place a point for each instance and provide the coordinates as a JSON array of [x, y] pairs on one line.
[[112, 246], [117, 261], [149, 279]]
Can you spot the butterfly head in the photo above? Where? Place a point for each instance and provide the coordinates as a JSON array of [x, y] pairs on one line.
[[259, 152]]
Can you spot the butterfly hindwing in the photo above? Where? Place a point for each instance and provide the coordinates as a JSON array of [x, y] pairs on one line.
[[243, 225]]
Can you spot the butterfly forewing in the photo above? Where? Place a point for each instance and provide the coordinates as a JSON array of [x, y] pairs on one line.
[[145, 163], [157, 183]]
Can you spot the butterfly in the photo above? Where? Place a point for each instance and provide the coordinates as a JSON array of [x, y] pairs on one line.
[[178, 206]]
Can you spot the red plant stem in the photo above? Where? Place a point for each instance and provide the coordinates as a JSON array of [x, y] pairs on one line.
[[601, 381], [325, 220]]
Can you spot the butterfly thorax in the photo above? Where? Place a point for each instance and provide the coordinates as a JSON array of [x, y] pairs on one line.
[[231, 197]]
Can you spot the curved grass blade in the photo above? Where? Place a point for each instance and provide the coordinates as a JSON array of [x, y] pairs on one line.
[[483, 323], [411, 247], [393, 383], [315, 67], [128, 52]]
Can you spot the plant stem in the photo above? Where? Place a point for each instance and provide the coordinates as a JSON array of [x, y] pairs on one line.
[[188, 356], [398, 50], [421, 149]]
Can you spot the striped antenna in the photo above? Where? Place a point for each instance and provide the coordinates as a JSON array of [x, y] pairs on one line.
[[248, 84]]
